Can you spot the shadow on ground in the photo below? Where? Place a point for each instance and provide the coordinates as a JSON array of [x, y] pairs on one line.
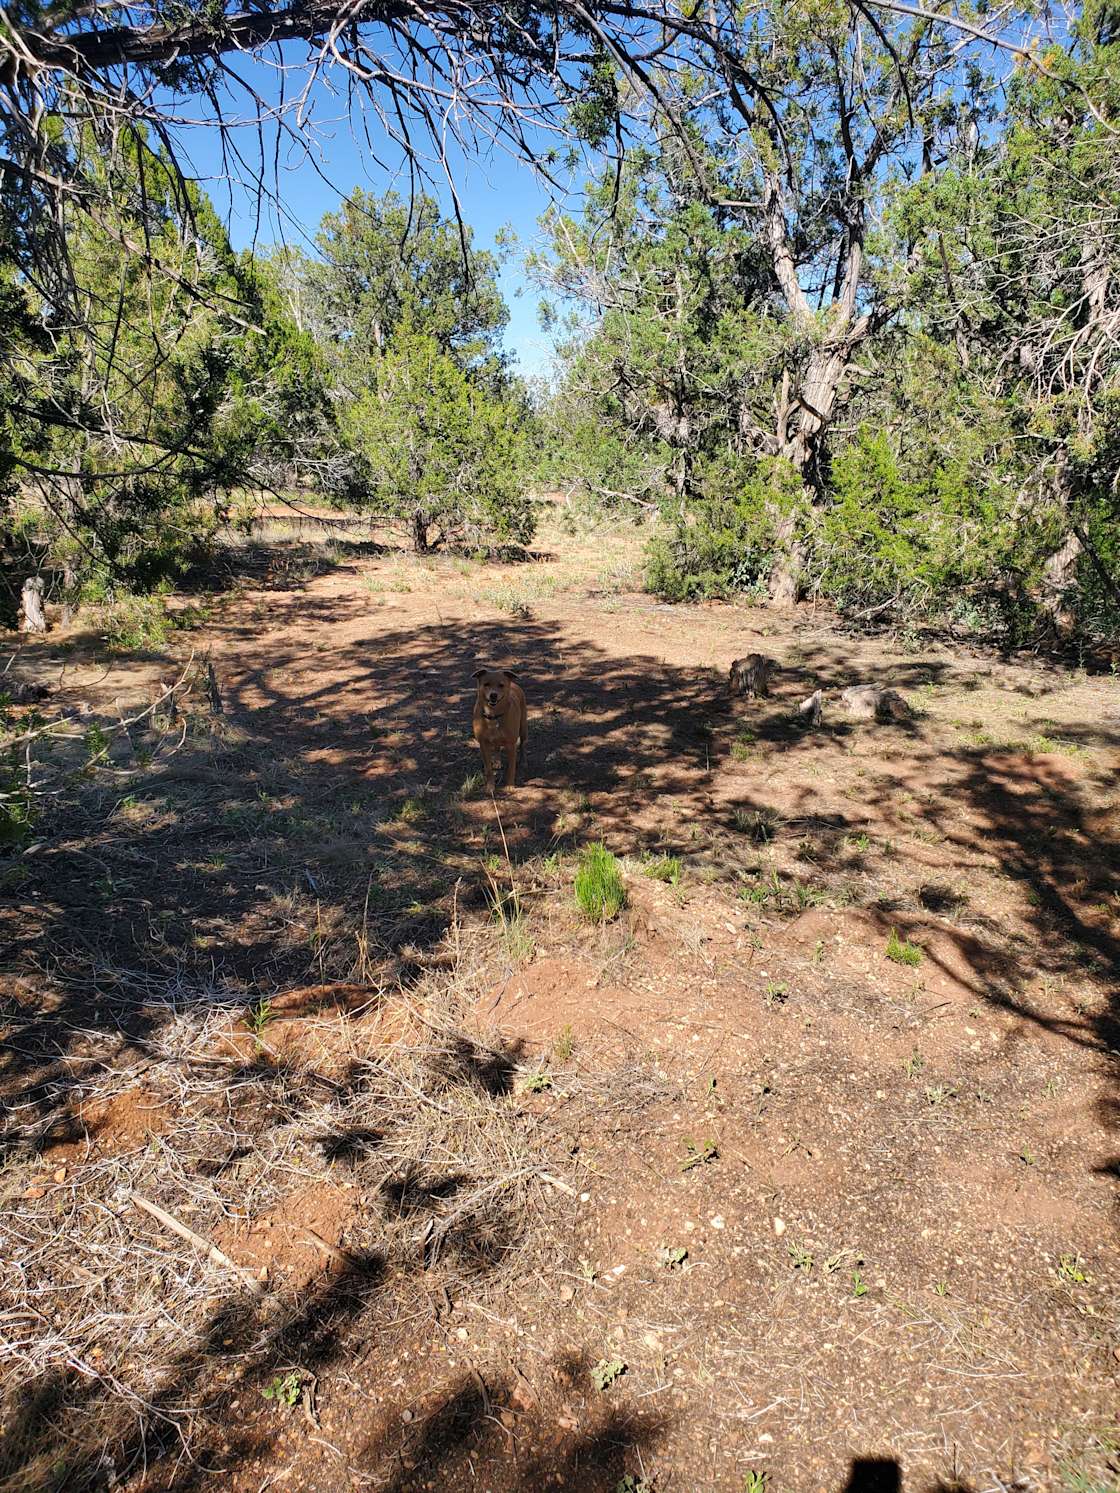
[[320, 829]]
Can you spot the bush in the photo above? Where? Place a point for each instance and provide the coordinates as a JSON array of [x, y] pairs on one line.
[[722, 542], [440, 450], [600, 891]]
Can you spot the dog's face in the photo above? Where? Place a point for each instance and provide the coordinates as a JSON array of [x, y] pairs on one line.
[[493, 688]]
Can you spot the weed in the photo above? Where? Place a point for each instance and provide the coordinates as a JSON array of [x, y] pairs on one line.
[[1027, 1156], [775, 993], [96, 743], [786, 896], [901, 952], [564, 1045], [284, 1389], [698, 1155], [818, 951], [587, 1271], [258, 1017], [742, 748], [606, 1371], [470, 787], [857, 842], [938, 1094], [412, 811], [671, 1257], [600, 891], [800, 1257], [632, 1484], [914, 1064], [759, 825], [756, 1482], [941, 1287], [664, 868], [1070, 1269], [537, 1083], [859, 1285]]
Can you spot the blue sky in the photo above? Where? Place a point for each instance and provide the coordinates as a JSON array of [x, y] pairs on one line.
[[494, 191]]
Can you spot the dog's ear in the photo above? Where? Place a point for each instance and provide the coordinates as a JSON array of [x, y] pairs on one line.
[[511, 675], [478, 673]]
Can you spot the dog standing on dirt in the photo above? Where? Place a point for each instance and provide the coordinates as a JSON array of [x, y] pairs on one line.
[[499, 722], [751, 675]]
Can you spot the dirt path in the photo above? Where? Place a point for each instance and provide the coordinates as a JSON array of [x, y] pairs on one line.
[[769, 1202]]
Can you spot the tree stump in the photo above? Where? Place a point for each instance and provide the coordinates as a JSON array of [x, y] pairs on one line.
[[32, 618]]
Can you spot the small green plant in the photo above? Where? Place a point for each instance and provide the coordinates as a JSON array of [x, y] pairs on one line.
[[938, 1093], [587, 1271], [756, 1482], [859, 1285], [800, 1257], [859, 843], [537, 1083], [941, 1287], [1071, 1270], [901, 952], [600, 891], [914, 1064], [698, 1155], [412, 810], [775, 993], [1027, 1156], [96, 742], [606, 1371], [665, 868], [470, 787], [258, 1017], [284, 1389], [671, 1257], [564, 1045], [632, 1484]]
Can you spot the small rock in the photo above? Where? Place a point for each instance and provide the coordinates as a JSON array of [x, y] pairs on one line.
[[462, 1334], [406, 1416], [779, 1226], [60, 1175], [567, 1293], [717, 1222]]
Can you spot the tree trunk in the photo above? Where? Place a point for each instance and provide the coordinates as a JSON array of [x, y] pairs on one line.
[[1059, 575], [31, 606], [420, 534]]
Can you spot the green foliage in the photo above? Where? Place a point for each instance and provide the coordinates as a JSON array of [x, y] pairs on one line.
[[606, 1371], [285, 1389], [600, 890], [901, 952], [440, 450]]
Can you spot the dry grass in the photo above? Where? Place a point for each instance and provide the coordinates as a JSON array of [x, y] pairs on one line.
[[116, 1334]]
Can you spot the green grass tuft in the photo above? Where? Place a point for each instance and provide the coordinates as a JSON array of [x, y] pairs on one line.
[[600, 891], [902, 952]]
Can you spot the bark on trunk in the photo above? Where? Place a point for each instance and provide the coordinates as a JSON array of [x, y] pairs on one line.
[[1059, 575], [32, 618]]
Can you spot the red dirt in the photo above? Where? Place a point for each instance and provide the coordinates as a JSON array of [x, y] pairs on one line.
[[895, 1184]]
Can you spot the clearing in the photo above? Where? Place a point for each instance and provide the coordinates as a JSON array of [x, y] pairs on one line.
[[340, 1152]]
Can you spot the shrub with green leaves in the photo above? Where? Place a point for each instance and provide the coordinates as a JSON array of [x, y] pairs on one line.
[[600, 890], [441, 450]]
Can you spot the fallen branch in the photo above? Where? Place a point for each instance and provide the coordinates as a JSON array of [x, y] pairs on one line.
[[210, 1250]]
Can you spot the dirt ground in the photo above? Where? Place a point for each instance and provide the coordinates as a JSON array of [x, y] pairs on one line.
[[801, 1174]]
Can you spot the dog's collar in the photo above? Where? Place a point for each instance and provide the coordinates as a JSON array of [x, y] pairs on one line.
[[491, 715]]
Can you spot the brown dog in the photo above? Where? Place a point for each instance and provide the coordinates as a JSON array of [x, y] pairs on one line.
[[499, 722]]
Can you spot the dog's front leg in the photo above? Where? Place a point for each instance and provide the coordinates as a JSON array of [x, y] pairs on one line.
[[487, 766], [511, 765]]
